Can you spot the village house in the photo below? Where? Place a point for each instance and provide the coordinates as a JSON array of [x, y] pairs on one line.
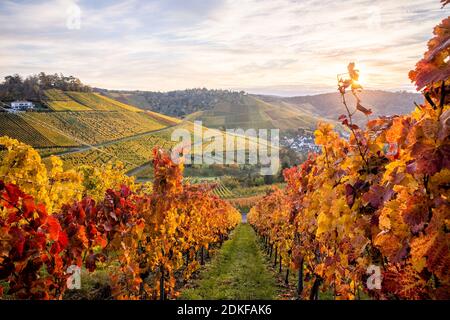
[[21, 106]]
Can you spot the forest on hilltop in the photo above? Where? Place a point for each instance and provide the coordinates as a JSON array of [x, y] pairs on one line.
[[177, 103], [15, 87]]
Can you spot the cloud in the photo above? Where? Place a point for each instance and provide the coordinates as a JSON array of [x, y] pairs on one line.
[[260, 44]]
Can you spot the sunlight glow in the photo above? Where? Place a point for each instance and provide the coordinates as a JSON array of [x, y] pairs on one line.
[[279, 46]]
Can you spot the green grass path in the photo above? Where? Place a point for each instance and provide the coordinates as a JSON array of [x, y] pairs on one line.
[[237, 271]]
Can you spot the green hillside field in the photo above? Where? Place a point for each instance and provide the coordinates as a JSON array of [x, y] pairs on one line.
[[232, 109], [89, 128], [80, 118], [80, 123], [251, 112], [135, 152], [59, 100]]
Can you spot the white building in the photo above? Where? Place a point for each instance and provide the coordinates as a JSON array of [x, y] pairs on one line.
[[21, 106]]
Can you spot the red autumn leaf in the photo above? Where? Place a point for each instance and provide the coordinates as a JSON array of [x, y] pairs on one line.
[[125, 191], [363, 109], [58, 263], [444, 130], [416, 212], [101, 241], [81, 235], [54, 228], [377, 195], [19, 244], [81, 213], [39, 240], [63, 240], [28, 207], [429, 159], [350, 194], [13, 194], [42, 211], [434, 67], [55, 248], [92, 231]]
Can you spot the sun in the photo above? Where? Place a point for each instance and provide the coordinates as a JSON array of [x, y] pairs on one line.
[[363, 73]]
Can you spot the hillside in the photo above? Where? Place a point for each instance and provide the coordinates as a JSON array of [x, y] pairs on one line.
[[79, 118], [227, 109], [89, 128], [329, 105], [134, 152], [250, 112], [93, 126], [59, 100], [82, 126], [220, 108], [178, 103]]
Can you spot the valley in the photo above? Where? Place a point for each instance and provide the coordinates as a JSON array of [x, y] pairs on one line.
[[228, 109], [87, 126]]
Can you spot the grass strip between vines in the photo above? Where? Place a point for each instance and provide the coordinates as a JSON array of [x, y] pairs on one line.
[[238, 271]]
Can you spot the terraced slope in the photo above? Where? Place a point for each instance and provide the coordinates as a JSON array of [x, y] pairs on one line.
[[80, 118], [95, 101], [88, 128], [251, 112], [59, 100], [93, 127], [162, 118], [136, 151], [16, 127], [132, 153]]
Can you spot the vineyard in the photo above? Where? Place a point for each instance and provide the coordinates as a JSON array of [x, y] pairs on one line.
[[161, 118], [376, 201], [237, 194], [223, 192], [80, 119], [365, 216], [256, 190], [47, 152], [14, 126], [69, 129], [97, 137], [59, 100], [144, 237], [94, 127], [133, 153]]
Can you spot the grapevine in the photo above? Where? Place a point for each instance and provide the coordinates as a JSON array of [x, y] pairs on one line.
[[51, 219], [378, 198]]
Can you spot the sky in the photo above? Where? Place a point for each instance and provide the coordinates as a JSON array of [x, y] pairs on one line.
[[283, 47]]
